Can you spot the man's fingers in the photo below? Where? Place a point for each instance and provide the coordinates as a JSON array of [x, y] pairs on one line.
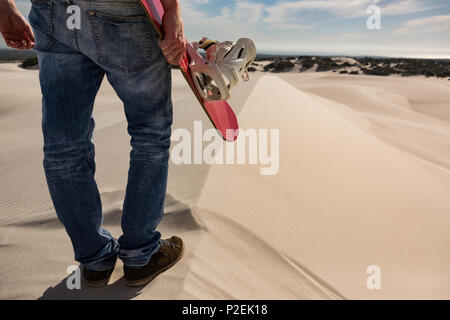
[[166, 43], [28, 45], [12, 36], [22, 47], [169, 41], [175, 59], [173, 49], [29, 41], [178, 58], [12, 44], [18, 41], [168, 46], [29, 33], [175, 53], [21, 44]]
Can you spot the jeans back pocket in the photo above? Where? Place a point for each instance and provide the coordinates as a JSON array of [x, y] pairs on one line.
[[123, 42]]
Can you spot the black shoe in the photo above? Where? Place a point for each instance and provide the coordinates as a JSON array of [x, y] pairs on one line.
[[169, 253], [97, 279]]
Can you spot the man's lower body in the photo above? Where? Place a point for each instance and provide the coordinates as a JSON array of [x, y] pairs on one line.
[[114, 40]]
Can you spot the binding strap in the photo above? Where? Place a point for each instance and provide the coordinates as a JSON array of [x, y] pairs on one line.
[[206, 43]]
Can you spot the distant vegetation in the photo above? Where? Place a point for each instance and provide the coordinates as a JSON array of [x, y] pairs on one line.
[[26, 58], [280, 65], [439, 68], [30, 63], [10, 55]]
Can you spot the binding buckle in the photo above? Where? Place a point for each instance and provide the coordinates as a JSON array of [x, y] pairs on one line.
[[245, 76]]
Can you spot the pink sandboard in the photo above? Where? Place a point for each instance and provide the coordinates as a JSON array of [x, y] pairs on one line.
[[219, 112]]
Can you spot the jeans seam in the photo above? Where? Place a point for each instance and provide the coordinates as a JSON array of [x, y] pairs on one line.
[[49, 29], [148, 49], [118, 18], [91, 162], [41, 1], [96, 37], [49, 18], [130, 4]]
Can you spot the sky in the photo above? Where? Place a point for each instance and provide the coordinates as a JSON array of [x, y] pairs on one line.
[[410, 28]]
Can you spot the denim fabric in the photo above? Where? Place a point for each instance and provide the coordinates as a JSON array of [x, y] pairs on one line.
[[115, 40]]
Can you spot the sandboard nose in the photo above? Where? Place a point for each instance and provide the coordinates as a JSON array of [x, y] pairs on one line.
[[223, 118], [231, 135]]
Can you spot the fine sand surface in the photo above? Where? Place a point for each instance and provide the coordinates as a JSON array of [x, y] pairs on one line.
[[363, 180]]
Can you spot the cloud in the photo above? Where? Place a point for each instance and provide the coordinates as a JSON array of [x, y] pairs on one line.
[[296, 11], [430, 24], [294, 24], [296, 14], [248, 11], [235, 18], [309, 13], [392, 8]]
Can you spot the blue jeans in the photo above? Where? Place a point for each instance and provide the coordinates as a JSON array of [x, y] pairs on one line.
[[116, 40]]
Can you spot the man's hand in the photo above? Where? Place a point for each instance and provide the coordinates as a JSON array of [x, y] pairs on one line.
[[173, 45], [14, 28]]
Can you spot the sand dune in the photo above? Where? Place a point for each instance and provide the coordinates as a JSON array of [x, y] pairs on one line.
[[411, 113], [343, 199], [362, 181]]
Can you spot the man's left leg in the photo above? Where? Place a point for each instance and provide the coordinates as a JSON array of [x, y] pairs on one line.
[[70, 82]]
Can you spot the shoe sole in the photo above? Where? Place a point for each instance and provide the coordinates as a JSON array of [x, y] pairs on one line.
[[147, 280], [98, 284]]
